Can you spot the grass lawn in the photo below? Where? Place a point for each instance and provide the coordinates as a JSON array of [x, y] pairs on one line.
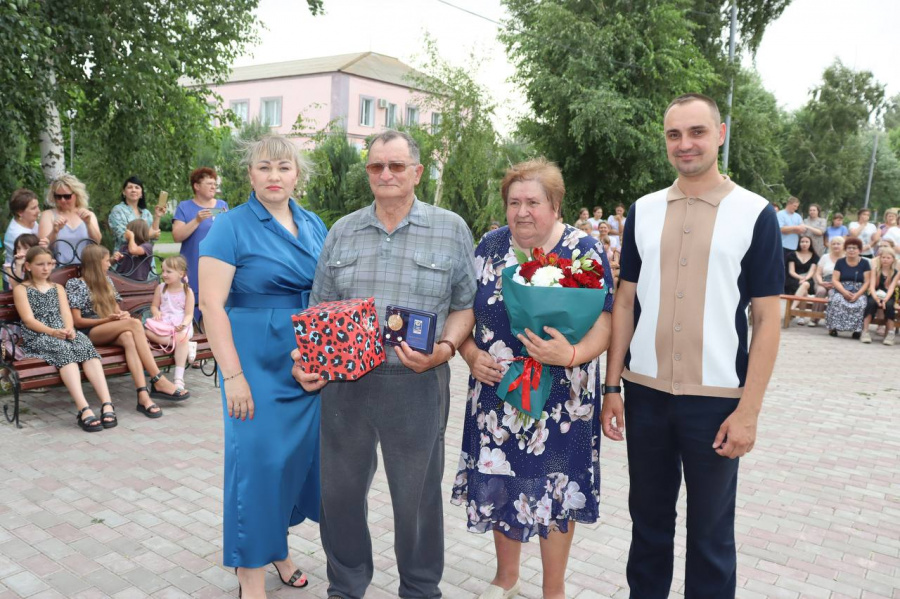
[[165, 237]]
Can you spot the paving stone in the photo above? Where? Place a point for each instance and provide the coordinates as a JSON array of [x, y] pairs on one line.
[[25, 584], [817, 508]]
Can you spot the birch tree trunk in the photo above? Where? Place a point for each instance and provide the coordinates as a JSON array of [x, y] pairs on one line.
[[53, 160]]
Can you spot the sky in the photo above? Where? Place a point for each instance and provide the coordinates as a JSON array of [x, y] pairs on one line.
[[794, 52]]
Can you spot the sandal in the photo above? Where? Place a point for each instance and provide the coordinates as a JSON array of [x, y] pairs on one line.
[[179, 395], [87, 424], [108, 419], [179, 384], [297, 575], [147, 410]]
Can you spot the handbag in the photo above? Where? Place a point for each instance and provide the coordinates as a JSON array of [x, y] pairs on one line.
[[164, 329]]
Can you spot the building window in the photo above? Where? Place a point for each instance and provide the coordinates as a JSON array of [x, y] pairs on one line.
[[435, 121], [241, 109], [366, 111], [270, 112], [412, 115], [390, 116]]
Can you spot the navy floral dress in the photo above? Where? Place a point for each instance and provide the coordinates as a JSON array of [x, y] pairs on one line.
[[518, 475]]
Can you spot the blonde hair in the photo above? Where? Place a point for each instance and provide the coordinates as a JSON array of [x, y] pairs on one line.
[[274, 147], [103, 294], [876, 265], [72, 182], [177, 263]]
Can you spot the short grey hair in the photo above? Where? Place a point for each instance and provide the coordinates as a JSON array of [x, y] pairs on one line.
[[392, 134], [274, 147]]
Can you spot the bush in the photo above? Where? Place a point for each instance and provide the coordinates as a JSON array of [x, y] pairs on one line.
[[165, 223]]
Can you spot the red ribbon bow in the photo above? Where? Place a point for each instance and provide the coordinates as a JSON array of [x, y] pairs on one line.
[[531, 376]]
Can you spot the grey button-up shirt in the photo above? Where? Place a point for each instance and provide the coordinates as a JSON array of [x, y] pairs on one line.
[[425, 263]]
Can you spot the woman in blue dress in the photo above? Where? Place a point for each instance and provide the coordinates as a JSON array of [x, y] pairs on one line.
[[520, 477], [193, 220], [256, 269]]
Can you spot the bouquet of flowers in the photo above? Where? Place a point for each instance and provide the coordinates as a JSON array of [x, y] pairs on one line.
[[534, 298]]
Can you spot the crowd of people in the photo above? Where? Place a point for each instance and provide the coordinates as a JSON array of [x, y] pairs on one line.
[[298, 447], [858, 275], [63, 324]]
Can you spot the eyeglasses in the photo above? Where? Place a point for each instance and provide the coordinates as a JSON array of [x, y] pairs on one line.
[[63, 196], [376, 168]]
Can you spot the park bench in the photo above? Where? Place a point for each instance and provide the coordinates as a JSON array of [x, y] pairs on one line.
[[805, 312], [27, 374]]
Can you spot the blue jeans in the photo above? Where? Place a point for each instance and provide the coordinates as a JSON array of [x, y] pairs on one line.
[[667, 435]]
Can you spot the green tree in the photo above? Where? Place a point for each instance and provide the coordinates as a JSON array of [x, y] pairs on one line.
[[824, 150], [463, 146], [328, 191], [598, 76], [757, 130], [120, 67], [892, 123], [885, 192]]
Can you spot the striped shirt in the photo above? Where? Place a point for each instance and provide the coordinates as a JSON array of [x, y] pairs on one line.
[[697, 262]]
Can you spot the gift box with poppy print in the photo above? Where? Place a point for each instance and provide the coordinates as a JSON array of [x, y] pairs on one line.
[[341, 340]]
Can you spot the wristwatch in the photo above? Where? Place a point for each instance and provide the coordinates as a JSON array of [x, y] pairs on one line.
[[604, 389]]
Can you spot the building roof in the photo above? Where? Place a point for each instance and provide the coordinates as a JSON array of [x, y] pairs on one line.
[[370, 65]]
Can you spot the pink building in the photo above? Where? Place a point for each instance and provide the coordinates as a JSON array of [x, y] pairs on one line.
[[366, 92]]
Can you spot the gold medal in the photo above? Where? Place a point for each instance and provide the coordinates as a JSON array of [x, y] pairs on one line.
[[395, 322]]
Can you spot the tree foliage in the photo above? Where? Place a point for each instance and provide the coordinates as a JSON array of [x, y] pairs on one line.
[[598, 76], [824, 150], [757, 131], [885, 192], [464, 144], [329, 193], [121, 68]]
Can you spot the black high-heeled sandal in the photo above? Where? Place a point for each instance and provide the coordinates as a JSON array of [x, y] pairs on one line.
[[179, 395], [297, 575], [146, 410], [108, 419], [87, 424]]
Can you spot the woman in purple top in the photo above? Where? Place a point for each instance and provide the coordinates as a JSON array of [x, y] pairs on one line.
[[193, 219]]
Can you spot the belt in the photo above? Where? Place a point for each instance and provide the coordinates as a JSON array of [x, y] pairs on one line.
[[294, 301]]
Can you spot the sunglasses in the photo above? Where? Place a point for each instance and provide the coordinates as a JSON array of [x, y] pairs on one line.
[[376, 168], [63, 196]]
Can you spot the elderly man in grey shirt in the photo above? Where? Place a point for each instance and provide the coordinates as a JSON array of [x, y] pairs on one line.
[[404, 253]]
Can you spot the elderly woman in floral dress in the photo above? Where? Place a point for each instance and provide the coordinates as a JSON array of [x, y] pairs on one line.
[[521, 477]]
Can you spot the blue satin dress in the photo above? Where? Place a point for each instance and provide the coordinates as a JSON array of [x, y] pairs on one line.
[[272, 461]]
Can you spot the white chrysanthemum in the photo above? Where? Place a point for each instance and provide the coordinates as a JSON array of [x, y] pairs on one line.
[[547, 276]]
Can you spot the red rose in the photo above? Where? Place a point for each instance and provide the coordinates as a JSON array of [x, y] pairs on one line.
[[568, 281], [528, 269], [563, 263], [587, 280]]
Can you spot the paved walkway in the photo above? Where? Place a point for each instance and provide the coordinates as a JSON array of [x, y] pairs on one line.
[[136, 511]]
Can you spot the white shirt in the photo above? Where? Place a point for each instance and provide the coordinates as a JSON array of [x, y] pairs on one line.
[[865, 234]]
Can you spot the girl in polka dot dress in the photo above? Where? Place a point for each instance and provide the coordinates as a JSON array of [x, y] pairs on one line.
[[48, 333]]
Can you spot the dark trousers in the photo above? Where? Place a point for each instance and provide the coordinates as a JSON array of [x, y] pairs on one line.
[[667, 435], [872, 307], [407, 414]]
